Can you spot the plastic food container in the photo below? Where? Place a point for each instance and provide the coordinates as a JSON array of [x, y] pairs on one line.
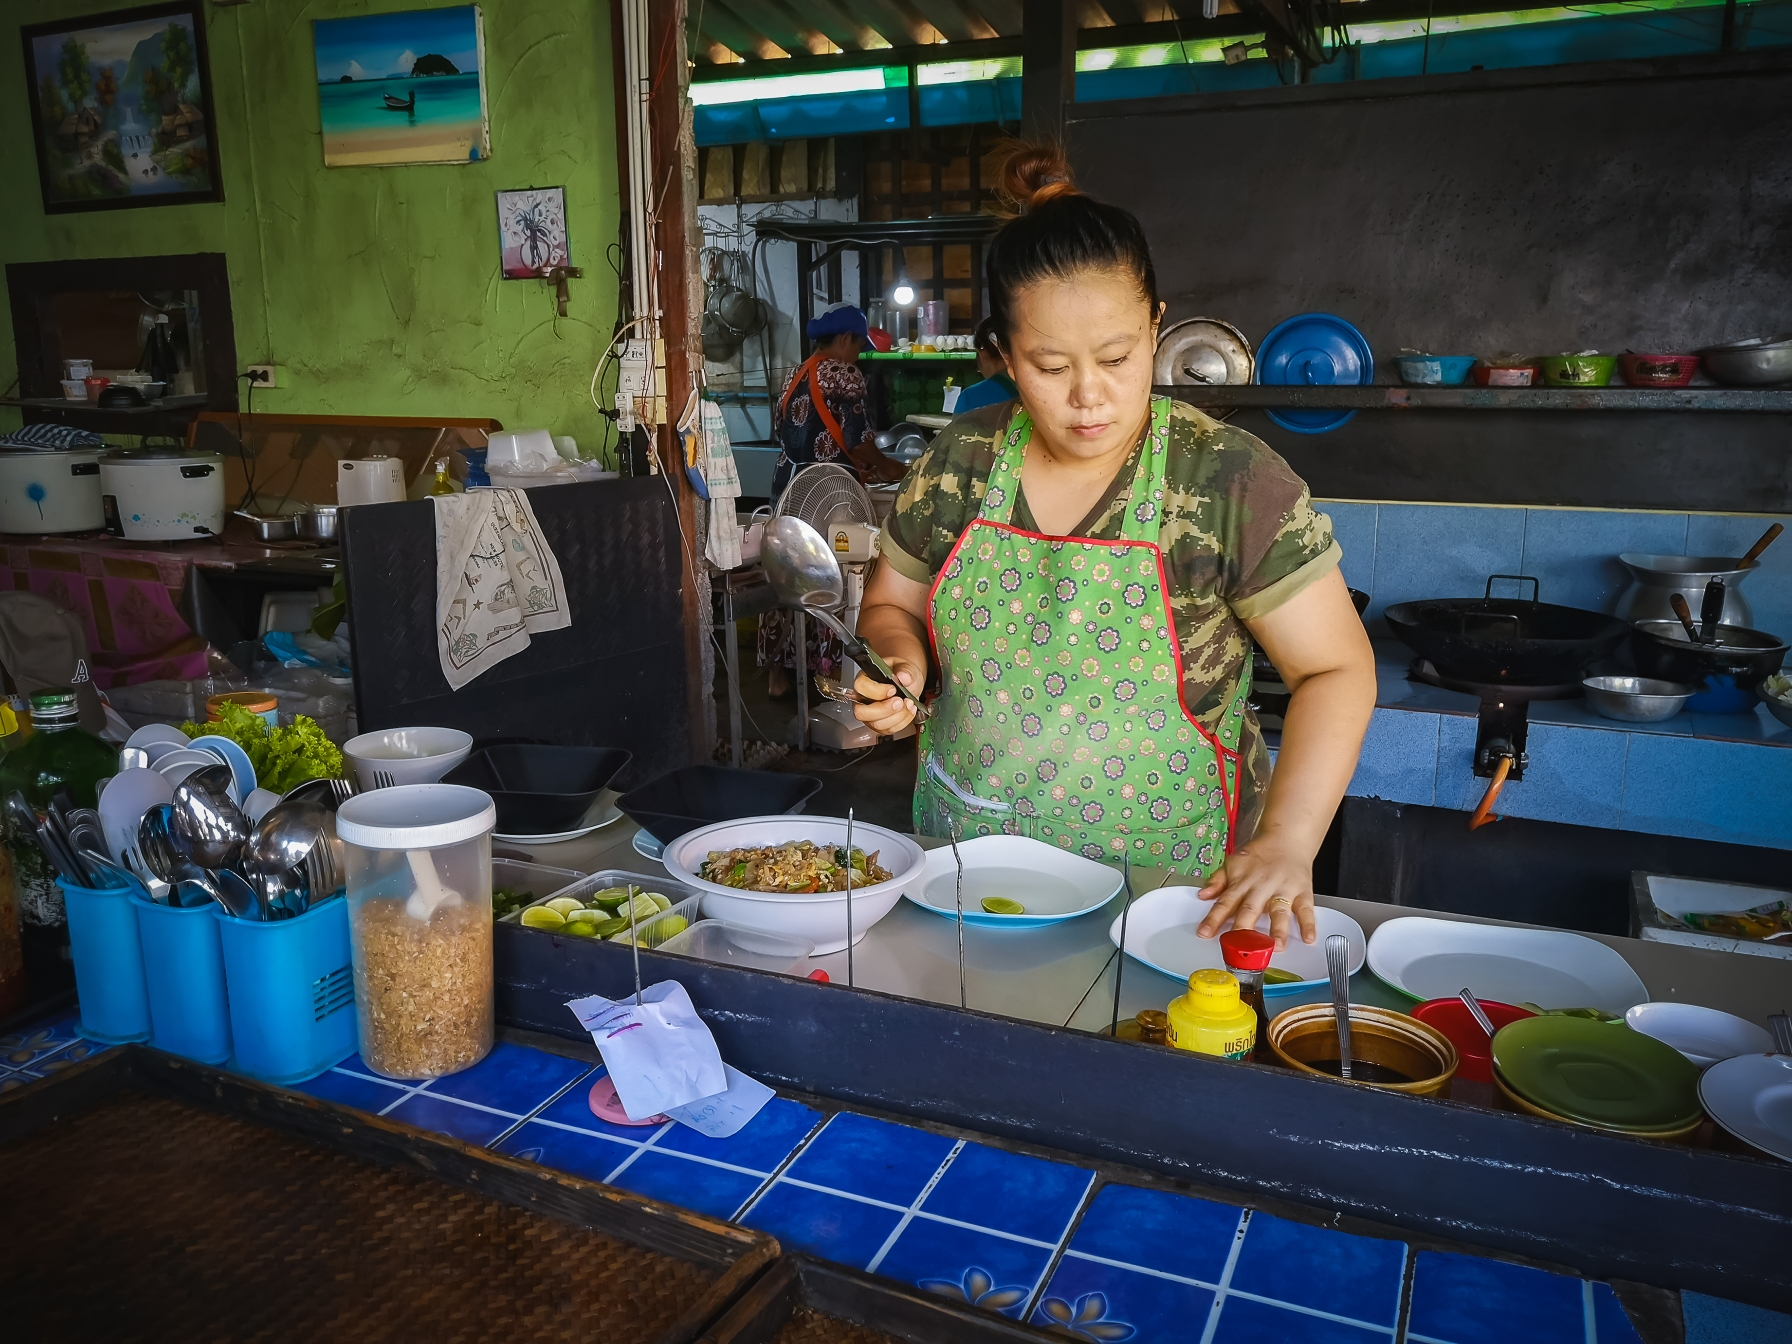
[[736, 945], [1435, 370], [419, 868], [256, 702], [1658, 370], [1505, 373], [1578, 370]]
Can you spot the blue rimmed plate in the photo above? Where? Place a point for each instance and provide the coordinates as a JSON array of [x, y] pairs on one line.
[[1314, 350], [242, 772], [1051, 884]]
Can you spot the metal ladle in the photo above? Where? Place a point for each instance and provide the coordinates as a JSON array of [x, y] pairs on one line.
[[207, 823], [801, 569]]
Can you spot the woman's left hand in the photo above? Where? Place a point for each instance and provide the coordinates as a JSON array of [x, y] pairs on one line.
[[1260, 876]]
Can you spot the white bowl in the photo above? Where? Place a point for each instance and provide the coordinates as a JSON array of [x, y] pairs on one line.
[[818, 916], [409, 755], [822, 922], [1703, 1035]]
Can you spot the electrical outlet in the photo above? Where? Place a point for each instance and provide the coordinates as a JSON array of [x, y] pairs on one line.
[[262, 376]]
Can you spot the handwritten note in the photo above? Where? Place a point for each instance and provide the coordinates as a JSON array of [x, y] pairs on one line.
[[659, 1053], [727, 1113]]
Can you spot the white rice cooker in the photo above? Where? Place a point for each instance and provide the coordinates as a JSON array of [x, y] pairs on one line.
[[162, 494], [50, 490]]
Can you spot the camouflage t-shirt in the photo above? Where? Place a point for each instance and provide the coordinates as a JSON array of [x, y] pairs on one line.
[[1240, 537]]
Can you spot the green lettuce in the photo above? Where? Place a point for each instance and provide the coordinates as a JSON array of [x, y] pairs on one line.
[[283, 757]]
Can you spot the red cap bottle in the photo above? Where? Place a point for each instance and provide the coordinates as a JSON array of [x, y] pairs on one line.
[[1247, 955]]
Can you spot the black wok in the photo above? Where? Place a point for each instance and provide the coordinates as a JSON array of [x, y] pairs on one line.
[[1505, 641]]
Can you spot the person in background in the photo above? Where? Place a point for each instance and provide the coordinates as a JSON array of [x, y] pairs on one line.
[[996, 385], [821, 418]]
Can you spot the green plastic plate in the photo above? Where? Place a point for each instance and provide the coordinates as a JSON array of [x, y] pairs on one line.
[[1600, 1072]]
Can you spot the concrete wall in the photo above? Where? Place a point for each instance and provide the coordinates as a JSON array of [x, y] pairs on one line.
[[375, 290]]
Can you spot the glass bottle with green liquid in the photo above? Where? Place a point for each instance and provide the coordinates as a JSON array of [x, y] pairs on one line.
[[57, 754]]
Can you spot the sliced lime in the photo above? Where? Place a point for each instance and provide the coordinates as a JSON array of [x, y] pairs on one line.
[[582, 928], [1001, 905], [667, 927], [609, 898], [540, 917], [562, 905], [609, 928], [1275, 975], [661, 901]]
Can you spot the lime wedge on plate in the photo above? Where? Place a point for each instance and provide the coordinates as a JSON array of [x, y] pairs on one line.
[[540, 917], [1001, 905]]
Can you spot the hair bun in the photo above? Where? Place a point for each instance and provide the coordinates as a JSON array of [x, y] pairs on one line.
[[1033, 174]]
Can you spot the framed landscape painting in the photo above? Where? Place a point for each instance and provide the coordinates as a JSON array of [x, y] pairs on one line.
[[403, 88], [121, 109]]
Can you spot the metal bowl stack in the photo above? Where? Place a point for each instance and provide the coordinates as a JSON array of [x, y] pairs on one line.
[[1760, 361]]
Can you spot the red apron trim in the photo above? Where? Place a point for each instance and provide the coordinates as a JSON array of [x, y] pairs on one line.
[[820, 402]]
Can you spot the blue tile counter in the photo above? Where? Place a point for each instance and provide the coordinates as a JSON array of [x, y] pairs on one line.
[[1584, 770], [1050, 1242]]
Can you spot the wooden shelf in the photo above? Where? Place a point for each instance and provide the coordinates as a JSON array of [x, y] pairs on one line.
[[170, 415], [1769, 400]]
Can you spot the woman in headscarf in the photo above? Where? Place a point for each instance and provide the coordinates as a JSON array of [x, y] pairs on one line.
[[821, 417]]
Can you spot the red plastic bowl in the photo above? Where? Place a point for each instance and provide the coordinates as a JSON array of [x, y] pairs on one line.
[[1658, 370], [1506, 375], [1451, 1017]]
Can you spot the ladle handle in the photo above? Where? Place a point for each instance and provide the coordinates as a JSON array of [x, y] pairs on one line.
[[1767, 539], [1684, 612]]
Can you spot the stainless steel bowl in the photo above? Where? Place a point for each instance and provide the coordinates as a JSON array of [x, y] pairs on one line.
[[1776, 694], [1636, 699], [1758, 362], [318, 523], [271, 527]]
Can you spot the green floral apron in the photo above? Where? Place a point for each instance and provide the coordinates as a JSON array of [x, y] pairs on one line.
[[1060, 713]]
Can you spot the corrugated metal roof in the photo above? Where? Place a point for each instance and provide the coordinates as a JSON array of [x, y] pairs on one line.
[[724, 32]]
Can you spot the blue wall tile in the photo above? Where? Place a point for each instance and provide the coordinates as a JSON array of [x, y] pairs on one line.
[[1399, 758], [1709, 790], [19, 1049], [966, 1265], [1084, 1295], [1318, 1267], [1575, 776], [1243, 1321], [1353, 527], [1159, 1230], [1574, 552], [1467, 1300], [1712, 1320], [872, 1157], [450, 1118], [843, 1230], [1768, 589], [690, 1185], [350, 1089], [512, 1078], [760, 1145], [1010, 1192], [1431, 550], [590, 1156]]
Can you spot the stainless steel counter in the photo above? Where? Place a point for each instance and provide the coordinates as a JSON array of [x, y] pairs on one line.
[[1063, 975]]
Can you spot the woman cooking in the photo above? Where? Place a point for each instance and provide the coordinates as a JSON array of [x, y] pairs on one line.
[[1088, 567]]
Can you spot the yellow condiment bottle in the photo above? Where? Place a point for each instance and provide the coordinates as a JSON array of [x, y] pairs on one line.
[[1211, 1019]]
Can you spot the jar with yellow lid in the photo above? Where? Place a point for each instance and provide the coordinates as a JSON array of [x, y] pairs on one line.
[[1211, 1019]]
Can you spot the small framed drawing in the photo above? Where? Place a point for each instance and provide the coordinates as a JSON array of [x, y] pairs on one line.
[[532, 232], [121, 109]]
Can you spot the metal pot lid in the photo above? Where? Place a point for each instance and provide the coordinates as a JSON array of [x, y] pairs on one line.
[[134, 456], [1314, 350], [1202, 352]]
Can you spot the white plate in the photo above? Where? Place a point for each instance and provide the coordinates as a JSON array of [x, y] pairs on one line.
[[1703, 1035], [1053, 885], [901, 855], [130, 794], [604, 813], [1160, 931], [152, 734], [1751, 1096], [1438, 958], [242, 770]]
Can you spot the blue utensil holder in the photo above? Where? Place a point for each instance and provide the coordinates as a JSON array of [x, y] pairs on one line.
[[108, 955], [291, 986], [183, 966]]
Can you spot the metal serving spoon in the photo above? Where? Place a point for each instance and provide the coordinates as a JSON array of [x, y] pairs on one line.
[[207, 823]]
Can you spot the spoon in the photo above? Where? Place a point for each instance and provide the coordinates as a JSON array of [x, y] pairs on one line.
[[1476, 1011], [1684, 612], [194, 886], [155, 841], [283, 839], [208, 825], [1337, 965], [801, 569]]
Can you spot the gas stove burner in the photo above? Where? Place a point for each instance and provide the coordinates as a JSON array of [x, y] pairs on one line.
[[1423, 670]]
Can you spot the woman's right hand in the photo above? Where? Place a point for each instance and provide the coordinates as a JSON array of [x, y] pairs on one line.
[[889, 711]]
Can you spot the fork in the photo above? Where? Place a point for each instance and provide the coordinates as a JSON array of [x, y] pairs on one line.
[[320, 871], [343, 790], [382, 779], [159, 891]]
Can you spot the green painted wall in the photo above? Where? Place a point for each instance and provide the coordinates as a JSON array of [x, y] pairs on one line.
[[375, 290]]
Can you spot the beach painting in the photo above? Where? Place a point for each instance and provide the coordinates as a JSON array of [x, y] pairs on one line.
[[403, 88], [532, 231], [121, 109]]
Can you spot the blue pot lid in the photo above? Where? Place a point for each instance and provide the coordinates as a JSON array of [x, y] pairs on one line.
[[1315, 350], [1310, 422]]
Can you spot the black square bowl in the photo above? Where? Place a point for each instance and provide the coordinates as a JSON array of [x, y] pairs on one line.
[[701, 795], [540, 790]]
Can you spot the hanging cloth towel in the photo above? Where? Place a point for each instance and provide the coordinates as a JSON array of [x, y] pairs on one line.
[[497, 583], [723, 546]]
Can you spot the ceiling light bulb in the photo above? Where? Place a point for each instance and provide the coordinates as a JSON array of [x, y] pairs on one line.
[[903, 294]]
